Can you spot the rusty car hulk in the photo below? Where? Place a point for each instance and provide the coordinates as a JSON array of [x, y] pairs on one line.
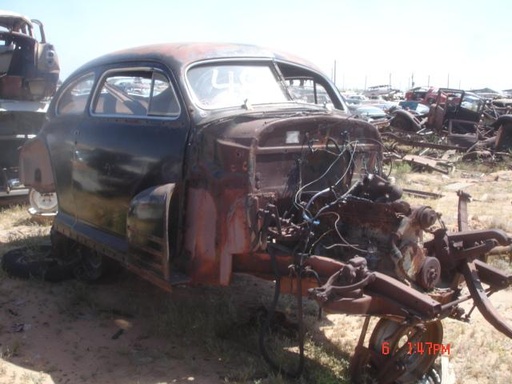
[[29, 73], [192, 162], [456, 120]]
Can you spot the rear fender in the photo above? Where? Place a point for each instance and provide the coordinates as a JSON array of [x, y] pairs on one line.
[[35, 166]]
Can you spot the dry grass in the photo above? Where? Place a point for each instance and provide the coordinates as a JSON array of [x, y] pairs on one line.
[[491, 196], [215, 326], [17, 228]]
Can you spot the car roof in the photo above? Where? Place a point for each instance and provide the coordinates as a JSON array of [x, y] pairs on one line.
[[13, 21], [181, 55]]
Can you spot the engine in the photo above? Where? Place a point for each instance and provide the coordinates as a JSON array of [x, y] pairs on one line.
[[348, 219], [372, 222]]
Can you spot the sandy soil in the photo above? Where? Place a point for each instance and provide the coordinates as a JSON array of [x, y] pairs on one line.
[[109, 332], [52, 335], [113, 331]]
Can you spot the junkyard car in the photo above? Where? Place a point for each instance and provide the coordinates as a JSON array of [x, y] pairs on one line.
[[29, 73], [425, 95], [455, 114], [372, 114], [148, 149], [29, 66], [191, 162]]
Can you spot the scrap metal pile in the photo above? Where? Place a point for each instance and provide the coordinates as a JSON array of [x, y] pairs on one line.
[[456, 121]]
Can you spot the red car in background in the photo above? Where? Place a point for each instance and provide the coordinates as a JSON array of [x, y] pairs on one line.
[[424, 95]]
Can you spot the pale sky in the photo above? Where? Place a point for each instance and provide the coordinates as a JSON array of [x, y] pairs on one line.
[[441, 43]]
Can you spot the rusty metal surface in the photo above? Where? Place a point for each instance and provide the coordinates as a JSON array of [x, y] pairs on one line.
[[482, 301], [462, 211], [35, 167], [418, 142], [181, 55], [428, 163], [353, 289], [426, 194], [29, 68]]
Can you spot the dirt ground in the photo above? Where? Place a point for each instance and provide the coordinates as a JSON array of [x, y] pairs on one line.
[[110, 332], [51, 333]]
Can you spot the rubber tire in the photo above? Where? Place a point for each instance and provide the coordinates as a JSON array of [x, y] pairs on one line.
[[22, 263]]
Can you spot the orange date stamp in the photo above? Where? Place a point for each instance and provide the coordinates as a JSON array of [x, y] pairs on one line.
[[420, 348]]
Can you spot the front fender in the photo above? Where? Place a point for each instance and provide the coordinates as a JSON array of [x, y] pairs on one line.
[[147, 229], [502, 120], [405, 121]]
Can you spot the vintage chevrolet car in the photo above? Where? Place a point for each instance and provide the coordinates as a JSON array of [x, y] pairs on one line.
[[161, 156], [192, 162]]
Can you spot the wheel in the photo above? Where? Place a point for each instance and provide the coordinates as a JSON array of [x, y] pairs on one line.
[[41, 203], [36, 262], [394, 357]]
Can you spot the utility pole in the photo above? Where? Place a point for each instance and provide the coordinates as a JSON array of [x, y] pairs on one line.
[[334, 73]]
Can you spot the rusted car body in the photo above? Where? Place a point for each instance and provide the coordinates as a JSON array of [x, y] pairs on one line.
[[29, 66], [450, 105], [191, 162], [29, 73]]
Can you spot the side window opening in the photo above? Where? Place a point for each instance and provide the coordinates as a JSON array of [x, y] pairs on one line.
[[137, 92], [163, 101], [308, 91], [310, 87], [74, 99]]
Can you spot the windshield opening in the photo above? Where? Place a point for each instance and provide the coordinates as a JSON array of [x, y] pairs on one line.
[[223, 85]]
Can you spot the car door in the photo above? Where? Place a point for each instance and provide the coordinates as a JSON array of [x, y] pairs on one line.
[[59, 136], [133, 139]]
